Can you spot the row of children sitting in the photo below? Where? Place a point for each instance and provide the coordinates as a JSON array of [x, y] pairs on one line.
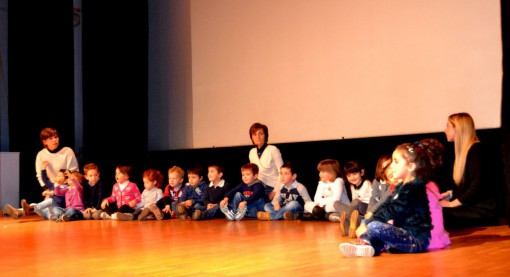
[[251, 198]]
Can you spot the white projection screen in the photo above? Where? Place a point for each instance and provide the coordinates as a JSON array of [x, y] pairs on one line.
[[319, 70]]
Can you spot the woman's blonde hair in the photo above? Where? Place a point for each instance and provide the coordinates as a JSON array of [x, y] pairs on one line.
[[465, 137]]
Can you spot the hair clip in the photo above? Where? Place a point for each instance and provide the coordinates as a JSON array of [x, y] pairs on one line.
[[410, 149]]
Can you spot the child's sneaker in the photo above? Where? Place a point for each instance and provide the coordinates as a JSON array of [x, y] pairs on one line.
[[197, 215], [334, 217], [359, 249], [353, 224], [263, 216], [228, 213], [13, 212], [124, 216], [183, 211], [63, 218], [156, 211], [143, 215], [240, 214], [288, 215], [27, 209], [105, 216]]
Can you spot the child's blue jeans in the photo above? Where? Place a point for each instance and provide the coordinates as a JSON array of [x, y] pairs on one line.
[[384, 236]]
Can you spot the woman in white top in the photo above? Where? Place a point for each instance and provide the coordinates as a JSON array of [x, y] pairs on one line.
[[57, 157], [267, 157]]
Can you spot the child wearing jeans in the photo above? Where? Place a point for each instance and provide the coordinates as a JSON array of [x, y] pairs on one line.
[[192, 197], [247, 198], [214, 193], [290, 197], [403, 222]]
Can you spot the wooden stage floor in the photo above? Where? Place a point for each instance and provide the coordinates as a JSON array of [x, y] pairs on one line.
[[31, 246]]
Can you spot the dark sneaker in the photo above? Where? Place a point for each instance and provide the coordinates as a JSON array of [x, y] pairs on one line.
[[13, 212], [240, 214], [183, 211], [263, 216], [353, 224], [288, 215], [143, 215], [228, 213], [197, 215], [350, 249], [124, 216]]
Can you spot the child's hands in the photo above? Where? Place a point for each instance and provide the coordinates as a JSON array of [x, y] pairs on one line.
[[104, 204], [188, 203], [167, 209], [223, 202], [368, 215], [242, 205], [44, 164], [47, 193], [132, 203], [362, 229], [276, 206], [210, 206]]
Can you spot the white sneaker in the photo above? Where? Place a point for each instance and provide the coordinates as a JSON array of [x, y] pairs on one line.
[[240, 214], [350, 249], [228, 213]]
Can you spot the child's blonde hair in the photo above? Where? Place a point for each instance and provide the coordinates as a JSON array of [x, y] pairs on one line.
[[330, 165], [177, 170]]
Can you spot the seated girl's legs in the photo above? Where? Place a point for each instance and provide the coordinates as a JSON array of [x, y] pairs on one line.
[[126, 209], [386, 236], [358, 205], [74, 214], [43, 208], [57, 212], [292, 206], [341, 207]]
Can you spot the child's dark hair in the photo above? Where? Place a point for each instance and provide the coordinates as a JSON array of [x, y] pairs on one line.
[[47, 133], [425, 156], [352, 167], [380, 169], [218, 167], [288, 165], [125, 169], [154, 175], [251, 166], [257, 126], [197, 170]]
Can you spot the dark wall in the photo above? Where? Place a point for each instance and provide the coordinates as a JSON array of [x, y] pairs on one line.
[[41, 92], [115, 90]]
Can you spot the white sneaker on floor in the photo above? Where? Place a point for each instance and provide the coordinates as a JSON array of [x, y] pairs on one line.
[[350, 249]]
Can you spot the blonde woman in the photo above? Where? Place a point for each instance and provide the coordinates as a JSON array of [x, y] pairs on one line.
[[471, 202]]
